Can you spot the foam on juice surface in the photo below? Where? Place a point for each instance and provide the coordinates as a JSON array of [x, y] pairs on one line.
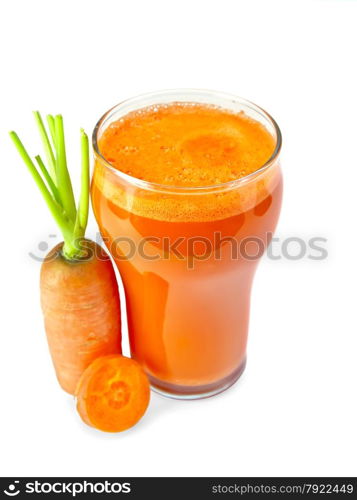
[[186, 145]]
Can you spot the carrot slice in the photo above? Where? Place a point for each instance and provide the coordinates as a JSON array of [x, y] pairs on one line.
[[113, 393]]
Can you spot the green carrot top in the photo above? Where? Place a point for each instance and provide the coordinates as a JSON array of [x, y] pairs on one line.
[[55, 184]]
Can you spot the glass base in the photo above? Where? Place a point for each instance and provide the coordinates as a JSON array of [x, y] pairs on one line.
[[196, 391]]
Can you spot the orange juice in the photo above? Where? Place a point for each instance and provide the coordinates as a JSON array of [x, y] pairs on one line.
[[187, 196]]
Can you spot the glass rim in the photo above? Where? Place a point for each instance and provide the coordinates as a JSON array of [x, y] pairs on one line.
[[192, 92]]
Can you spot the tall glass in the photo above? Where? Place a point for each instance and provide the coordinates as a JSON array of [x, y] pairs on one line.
[[187, 257]]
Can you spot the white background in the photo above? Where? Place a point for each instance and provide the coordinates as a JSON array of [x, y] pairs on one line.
[[294, 410]]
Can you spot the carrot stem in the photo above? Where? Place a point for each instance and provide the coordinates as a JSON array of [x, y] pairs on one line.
[[54, 207], [46, 144], [48, 178], [51, 126], [83, 205], [58, 194], [63, 179]]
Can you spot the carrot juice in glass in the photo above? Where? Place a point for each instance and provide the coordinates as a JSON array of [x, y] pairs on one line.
[[187, 192]]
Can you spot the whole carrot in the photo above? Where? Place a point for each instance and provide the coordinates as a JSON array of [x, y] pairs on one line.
[[79, 291]]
